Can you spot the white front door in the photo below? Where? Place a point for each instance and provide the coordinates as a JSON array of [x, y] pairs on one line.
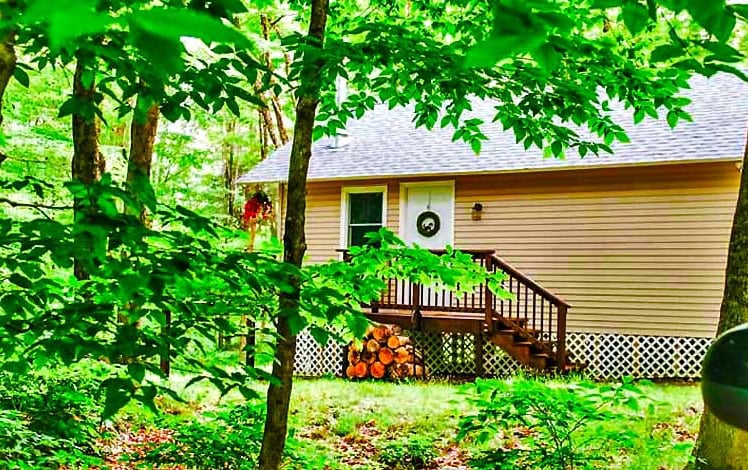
[[428, 214]]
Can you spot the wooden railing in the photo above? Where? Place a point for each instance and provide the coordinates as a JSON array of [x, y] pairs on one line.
[[533, 308]]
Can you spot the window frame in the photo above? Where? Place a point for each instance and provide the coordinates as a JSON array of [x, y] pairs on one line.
[[345, 192]]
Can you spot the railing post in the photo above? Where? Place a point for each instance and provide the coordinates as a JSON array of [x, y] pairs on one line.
[[488, 296], [561, 336], [415, 296]]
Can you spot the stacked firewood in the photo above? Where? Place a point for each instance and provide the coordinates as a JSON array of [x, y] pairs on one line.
[[384, 353]]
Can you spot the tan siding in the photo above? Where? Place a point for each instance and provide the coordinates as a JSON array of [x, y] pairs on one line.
[[323, 216], [633, 250]]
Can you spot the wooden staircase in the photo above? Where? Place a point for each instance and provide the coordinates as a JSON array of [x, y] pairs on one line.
[[530, 327]]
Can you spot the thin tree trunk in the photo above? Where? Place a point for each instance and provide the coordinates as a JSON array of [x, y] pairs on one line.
[[267, 121], [263, 136], [88, 163], [142, 141], [294, 243], [229, 168], [7, 66], [720, 445], [282, 133], [8, 60]]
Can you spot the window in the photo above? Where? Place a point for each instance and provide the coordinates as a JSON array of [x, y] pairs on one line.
[[364, 213]]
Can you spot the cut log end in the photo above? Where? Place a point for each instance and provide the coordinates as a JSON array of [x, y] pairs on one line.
[[386, 356], [377, 370], [395, 341], [361, 370]]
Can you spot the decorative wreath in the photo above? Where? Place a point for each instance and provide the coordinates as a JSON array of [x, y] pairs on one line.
[[428, 223]]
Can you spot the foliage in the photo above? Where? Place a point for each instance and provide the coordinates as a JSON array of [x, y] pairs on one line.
[[554, 68], [335, 288], [551, 421], [49, 419], [410, 453], [228, 439], [170, 292], [138, 276], [350, 422]]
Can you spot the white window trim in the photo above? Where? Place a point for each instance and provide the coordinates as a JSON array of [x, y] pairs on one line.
[[346, 190], [403, 203]]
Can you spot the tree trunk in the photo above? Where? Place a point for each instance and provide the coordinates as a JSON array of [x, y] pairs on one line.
[[88, 163], [720, 445], [142, 140], [279, 125], [230, 169], [7, 66], [294, 244]]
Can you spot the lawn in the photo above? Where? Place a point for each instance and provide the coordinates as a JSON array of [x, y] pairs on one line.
[[52, 420], [338, 424]]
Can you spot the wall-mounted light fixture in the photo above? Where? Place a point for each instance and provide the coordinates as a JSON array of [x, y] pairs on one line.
[[476, 212]]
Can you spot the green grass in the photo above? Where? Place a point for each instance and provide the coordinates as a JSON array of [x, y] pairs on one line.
[[338, 424], [343, 420]]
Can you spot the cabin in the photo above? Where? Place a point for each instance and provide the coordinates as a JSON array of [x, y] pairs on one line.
[[616, 262]]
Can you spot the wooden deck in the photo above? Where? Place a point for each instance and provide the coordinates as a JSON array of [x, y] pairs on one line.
[[531, 326]]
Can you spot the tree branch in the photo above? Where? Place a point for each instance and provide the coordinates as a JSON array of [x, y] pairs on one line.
[[32, 205]]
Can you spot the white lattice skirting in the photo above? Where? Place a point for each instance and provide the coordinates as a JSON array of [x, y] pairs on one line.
[[607, 356]]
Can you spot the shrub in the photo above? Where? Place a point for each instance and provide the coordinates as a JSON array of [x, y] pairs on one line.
[[227, 440], [412, 453], [49, 419], [528, 424]]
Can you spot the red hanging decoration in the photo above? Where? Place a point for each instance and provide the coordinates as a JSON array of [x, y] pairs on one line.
[[258, 207]]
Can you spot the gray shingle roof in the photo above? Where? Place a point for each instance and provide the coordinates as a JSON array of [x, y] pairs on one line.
[[385, 143]]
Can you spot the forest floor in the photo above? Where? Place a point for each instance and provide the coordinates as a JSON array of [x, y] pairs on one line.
[[338, 424]]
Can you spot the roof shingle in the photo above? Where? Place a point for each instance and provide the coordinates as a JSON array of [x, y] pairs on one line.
[[385, 143]]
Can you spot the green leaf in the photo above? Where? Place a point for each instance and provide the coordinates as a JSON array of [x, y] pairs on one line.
[[320, 335], [136, 370], [635, 16], [118, 394], [67, 20], [487, 53], [165, 54], [557, 148], [358, 324], [605, 4], [667, 52], [175, 23], [297, 323], [740, 10], [476, 144], [21, 76], [714, 16], [672, 119], [147, 397], [723, 52], [20, 280], [547, 57]]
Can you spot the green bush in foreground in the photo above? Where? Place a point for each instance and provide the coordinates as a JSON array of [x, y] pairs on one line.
[[529, 424], [49, 420], [228, 440], [412, 453]]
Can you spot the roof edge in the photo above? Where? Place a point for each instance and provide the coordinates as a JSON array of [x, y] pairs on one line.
[[519, 170]]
